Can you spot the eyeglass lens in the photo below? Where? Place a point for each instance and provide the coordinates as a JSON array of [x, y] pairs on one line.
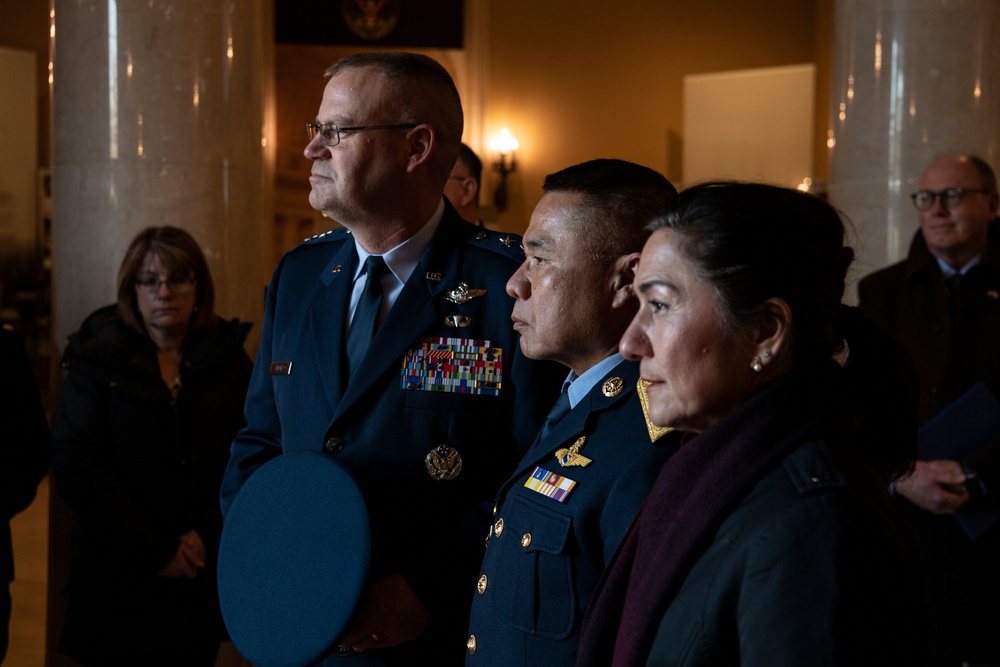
[[176, 283], [924, 199], [328, 133]]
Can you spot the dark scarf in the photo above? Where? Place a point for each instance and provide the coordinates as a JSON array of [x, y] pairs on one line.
[[694, 493]]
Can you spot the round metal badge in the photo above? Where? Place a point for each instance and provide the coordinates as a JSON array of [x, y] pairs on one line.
[[613, 386], [443, 463]]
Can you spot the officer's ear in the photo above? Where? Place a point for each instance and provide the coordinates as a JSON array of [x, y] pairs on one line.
[[422, 144], [622, 276]]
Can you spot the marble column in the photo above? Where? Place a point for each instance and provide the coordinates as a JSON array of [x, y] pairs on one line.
[[912, 80], [159, 119]]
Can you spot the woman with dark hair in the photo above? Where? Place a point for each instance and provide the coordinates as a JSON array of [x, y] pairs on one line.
[[153, 397], [769, 537]]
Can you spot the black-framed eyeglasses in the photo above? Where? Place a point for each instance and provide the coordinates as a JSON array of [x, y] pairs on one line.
[[178, 284], [329, 134], [950, 197]]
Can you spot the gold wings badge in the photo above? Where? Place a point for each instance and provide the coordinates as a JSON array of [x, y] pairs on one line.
[[572, 457]]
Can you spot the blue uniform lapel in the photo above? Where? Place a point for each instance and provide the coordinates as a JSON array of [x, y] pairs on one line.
[[413, 315], [574, 424], [326, 318]]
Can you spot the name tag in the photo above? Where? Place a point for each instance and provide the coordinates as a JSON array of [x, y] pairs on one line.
[[281, 368], [453, 365]]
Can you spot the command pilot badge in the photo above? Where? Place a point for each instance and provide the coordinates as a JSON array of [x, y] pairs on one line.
[[443, 463], [463, 293]]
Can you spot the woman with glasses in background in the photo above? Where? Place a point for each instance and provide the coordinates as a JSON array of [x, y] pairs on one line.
[[152, 399]]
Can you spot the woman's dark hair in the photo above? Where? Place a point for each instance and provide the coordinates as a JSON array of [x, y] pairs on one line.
[[179, 252], [752, 241]]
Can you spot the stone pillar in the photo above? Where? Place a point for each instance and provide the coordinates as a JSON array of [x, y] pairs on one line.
[[159, 119], [912, 80]]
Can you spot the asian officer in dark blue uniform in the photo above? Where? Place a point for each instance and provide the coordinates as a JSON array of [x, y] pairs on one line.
[[559, 518], [433, 414]]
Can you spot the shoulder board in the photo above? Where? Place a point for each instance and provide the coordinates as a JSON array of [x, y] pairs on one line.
[[337, 234], [504, 243]]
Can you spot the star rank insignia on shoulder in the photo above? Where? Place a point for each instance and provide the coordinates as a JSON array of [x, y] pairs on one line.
[[572, 457]]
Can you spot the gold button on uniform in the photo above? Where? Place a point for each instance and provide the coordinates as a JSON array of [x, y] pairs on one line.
[[526, 540], [498, 528], [471, 644], [481, 586]]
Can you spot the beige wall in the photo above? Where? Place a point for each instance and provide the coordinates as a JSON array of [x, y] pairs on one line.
[[24, 24], [574, 79], [579, 80]]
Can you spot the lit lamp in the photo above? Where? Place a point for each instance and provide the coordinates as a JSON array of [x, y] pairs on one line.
[[504, 145]]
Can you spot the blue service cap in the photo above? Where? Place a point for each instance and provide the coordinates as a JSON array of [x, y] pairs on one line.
[[293, 560]]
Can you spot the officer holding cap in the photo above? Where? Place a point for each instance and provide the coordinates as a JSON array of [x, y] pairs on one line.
[[387, 345]]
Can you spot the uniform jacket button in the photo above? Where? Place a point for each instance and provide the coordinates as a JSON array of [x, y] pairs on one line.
[[526, 540], [333, 445], [498, 528], [471, 644], [481, 585]]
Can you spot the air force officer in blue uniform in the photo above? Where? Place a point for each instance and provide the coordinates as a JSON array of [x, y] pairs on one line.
[[559, 518], [424, 417]]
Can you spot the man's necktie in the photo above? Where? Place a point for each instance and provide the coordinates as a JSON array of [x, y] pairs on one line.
[[365, 322], [558, 411]]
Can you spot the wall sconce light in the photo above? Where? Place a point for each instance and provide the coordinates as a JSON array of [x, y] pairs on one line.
[[504, 145]]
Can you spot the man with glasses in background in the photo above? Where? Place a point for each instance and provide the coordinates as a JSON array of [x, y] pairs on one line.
[[943, 304], [387, 345], [462, 188]]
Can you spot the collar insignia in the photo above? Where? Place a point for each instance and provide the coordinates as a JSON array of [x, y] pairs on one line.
[[655, 432], [612, 387]]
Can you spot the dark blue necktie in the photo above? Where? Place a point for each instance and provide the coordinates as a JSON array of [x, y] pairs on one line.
[[365, 322], [558, 411]]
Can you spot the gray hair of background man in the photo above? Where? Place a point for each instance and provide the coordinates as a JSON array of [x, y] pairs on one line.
[[422, 92], [624, 197]]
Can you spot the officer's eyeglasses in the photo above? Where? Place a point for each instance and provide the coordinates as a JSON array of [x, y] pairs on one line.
[[950, 198], [329, 134], [178, 283]]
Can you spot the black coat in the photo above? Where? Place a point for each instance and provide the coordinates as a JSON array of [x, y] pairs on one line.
[[908, 300], [805, 571], [22, 453], [25, 435], [138, 472], [768, 539]]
